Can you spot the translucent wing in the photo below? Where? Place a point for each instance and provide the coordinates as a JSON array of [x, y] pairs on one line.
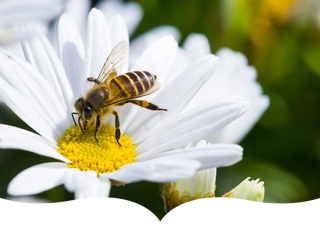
[[120, 98], [115, 61]]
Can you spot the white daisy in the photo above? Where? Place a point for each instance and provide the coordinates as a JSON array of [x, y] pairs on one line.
[[248, 190], [42, 93]]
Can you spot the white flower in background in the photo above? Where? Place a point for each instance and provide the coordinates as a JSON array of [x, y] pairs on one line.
[[42, 93], [233, 77], [13, 13], [248, 190]]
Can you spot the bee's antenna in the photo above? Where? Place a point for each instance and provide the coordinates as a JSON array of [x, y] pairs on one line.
[[91, 79]]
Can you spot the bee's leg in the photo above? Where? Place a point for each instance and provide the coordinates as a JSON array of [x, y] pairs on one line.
[[117, 127], [145, 104], [97, 127], [74, 121], [80, 124]]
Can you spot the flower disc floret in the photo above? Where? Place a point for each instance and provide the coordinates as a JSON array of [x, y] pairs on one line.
[[173, 196], [102, 156]]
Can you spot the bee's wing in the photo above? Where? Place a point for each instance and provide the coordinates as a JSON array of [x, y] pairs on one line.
[[114, 62], [120, 98]]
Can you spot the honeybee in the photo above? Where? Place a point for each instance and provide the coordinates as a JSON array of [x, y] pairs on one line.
[[112, 90]]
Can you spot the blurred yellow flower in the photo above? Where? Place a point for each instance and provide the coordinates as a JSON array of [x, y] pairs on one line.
[[266, 15], [274, 9]]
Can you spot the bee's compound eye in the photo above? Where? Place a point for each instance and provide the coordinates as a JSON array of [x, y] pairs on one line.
[[87, 112]]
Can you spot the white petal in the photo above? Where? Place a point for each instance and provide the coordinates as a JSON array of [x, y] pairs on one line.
[[29, 112], [10, 35], [118, 29], [15, 138], [233, 77], [37, 179], [197, 46], [119, 32], [104, 189], [195, 125], [172, 170], [157, 59], [14, 48], [40, 54], [129, 173], [71, 53], [216, 155], [158, 170], [132, 12], [174, 98], [86, 184], [34, 88], [238, 129], [140, 43], [69, 181], [240, 79], [98, 45], [78, 10], [78, 178], [181, 62]]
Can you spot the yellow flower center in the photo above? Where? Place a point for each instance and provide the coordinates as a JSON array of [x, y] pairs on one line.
[[102, 156]]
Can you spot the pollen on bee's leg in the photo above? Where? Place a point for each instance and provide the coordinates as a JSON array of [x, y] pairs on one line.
[[105, 156]]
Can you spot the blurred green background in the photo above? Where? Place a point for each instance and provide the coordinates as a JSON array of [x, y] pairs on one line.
[[282, 40]]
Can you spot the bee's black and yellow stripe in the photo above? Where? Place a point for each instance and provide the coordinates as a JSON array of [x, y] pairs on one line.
[[133, 84]]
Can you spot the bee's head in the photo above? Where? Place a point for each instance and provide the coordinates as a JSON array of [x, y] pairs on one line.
[[83, 110]]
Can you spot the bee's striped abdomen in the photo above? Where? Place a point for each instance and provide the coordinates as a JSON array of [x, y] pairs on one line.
[[133, 84]]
